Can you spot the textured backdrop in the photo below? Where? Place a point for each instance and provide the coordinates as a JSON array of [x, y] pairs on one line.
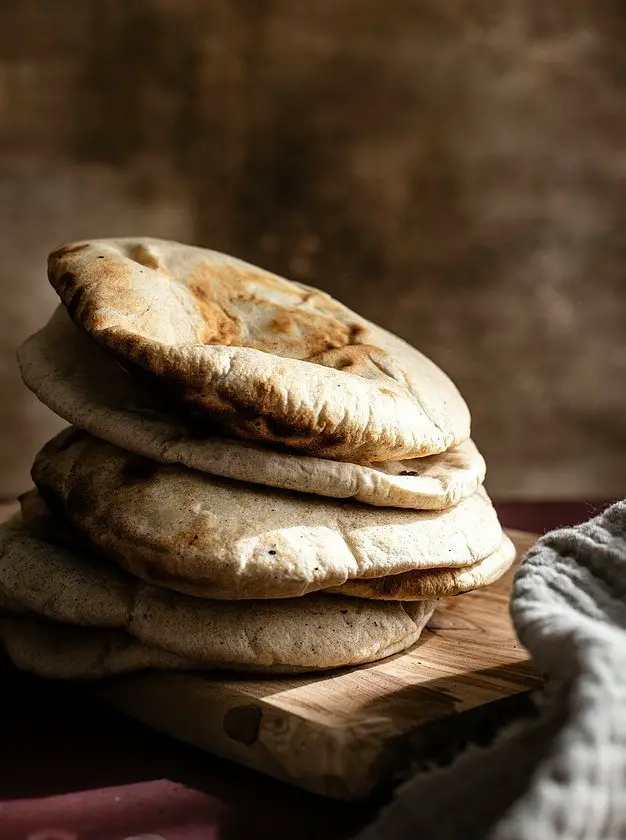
[[452, 168]]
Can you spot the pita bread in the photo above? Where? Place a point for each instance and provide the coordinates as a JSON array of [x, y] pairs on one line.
[[268, 359], [406, 586], [312, 633], [214, 538], [98, 396], [61, 651], [433, 583]]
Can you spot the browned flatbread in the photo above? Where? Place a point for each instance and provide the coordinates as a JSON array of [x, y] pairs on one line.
[[99, 397], [267, 359]]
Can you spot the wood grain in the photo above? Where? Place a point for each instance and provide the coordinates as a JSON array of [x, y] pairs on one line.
[[342, 733]]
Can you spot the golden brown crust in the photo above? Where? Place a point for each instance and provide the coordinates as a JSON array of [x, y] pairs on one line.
[[267, 359], [99, 397]]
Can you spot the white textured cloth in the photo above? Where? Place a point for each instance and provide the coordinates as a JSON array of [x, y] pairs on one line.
[[561, 774]]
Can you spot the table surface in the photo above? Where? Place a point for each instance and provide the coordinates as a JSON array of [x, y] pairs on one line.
[[73, 770]]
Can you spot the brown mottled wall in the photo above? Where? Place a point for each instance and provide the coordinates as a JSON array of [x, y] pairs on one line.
[[455, 170]]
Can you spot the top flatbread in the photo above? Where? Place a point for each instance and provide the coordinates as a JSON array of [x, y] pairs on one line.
[[269, 359], [80, 382]]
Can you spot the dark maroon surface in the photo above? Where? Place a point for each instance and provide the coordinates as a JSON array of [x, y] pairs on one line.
[[68, 764], [72, 770], [544, 516]]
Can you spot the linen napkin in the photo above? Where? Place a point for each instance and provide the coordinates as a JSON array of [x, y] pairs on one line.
[[561, 773]]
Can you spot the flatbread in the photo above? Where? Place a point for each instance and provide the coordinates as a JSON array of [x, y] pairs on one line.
[[268, 359], [95, 394], [215, 538], [312, 633], [433, 583], [406, 586], [61, 651]]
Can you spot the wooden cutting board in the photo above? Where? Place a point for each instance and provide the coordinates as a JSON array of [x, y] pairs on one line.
[[343, 733]]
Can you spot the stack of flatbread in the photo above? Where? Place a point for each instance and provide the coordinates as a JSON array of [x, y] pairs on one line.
[[254, 478]]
